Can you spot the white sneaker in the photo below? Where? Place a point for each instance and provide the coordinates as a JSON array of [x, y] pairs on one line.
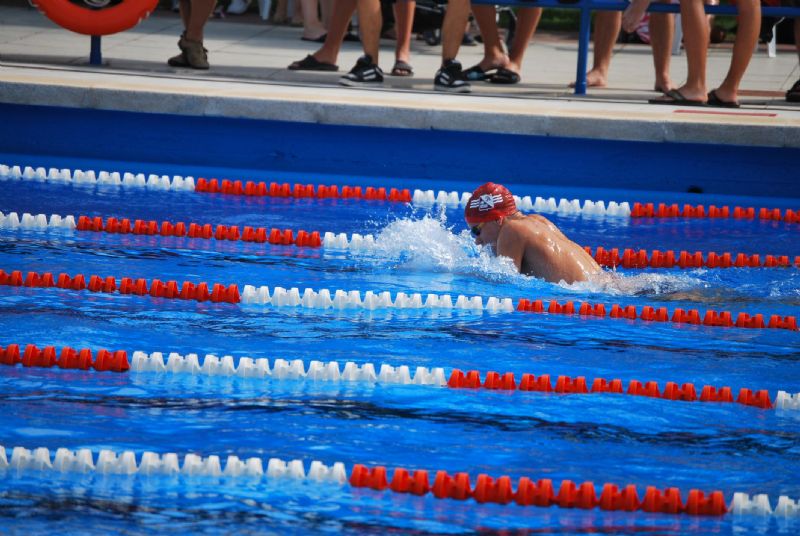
[[238, 7]]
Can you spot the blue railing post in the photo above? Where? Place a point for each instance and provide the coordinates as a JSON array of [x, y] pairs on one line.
[[583, 46], [95, 55]]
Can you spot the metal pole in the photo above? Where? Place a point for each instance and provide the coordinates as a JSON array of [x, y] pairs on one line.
[[583, 47], [95, 55]]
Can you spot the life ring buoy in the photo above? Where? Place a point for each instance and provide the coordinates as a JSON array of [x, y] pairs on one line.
[[87, 21]]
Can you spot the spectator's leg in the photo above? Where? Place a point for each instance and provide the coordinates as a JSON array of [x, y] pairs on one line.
[[494, 55], [326, 10], [633, 14], [662, 29], [312, 26], [340, 19], [186, 11], [369, 21], [403, 24], [606, 30], [695, 41], [527, 21], [198, 16], [455, 22], [749, 24]]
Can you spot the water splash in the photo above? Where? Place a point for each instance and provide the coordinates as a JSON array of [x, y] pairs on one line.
[[428, 244]]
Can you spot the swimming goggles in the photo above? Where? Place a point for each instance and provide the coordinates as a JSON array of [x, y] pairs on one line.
[[476, 230]]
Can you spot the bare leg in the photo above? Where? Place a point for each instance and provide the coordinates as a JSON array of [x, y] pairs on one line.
[[633, 14], [186, 10], [455, 22], [606, 30], [662, 28], [695, 41], [749, 20], [404, 21], [326, 8], [198, 16], [527, 21], [340, 19], [312, 26], [369, 21], [494, 55]]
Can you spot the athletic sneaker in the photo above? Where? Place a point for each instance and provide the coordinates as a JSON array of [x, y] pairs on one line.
[[365, 73], [450, 78]]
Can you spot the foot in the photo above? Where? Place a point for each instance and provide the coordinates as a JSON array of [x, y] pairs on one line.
[[663, 85], [633, 14], [194, 52], [365, 73], [723, 94], [793, 95], [594, 78], [450, 78], [402, 68]]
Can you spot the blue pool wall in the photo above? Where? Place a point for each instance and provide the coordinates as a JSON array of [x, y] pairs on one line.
[[241, 148]]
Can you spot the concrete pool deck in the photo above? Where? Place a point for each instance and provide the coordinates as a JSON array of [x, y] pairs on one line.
[[42, 64]]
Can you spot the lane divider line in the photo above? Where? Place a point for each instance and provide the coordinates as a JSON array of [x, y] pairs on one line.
[[541, 493], [281, 297], [650, 313], [641, 258], [330, 371], [286, 237], [109, 462], [260, 235], [422, 198]]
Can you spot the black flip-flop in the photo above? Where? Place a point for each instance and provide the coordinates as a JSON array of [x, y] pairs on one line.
[[793, 95], [310, 63], [676, 98], [714, 100], [505, 76], [476, 73], [402, 68], [320, 39]]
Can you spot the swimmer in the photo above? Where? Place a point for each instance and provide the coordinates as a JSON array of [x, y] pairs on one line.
[[533, 243]]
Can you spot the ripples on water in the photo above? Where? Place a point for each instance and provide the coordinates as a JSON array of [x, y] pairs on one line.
[[599, 438]]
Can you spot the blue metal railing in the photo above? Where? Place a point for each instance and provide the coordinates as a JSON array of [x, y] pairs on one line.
[[587, 6]]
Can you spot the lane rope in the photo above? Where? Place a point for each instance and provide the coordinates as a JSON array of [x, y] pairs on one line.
[[541, 493], [422, 198], [610, 258], [331, 371], [109, 462], [340, 300]]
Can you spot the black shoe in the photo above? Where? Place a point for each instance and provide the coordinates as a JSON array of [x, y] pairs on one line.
[[450, 77], [365, 73]]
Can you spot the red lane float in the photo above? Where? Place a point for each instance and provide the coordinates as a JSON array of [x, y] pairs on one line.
[[540, 493], [660, 314], [300, 191], [567, 385], [68, 358], [641, 258], [650, 210], [140, 287], [260, 235], [89, 21]]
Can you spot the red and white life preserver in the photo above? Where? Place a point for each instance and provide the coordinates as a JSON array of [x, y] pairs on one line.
[[85, 20]]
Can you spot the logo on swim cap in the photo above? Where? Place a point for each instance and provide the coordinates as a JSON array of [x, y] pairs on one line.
[[488, 203]]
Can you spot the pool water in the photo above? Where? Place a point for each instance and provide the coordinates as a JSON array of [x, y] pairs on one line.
[[598, 438]]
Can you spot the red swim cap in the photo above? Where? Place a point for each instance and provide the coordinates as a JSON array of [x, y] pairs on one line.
[[488, 203]]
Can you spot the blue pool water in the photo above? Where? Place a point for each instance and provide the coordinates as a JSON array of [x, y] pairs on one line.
[[600, 438]]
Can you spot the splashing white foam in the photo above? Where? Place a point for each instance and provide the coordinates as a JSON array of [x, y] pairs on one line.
[[428, 244]]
